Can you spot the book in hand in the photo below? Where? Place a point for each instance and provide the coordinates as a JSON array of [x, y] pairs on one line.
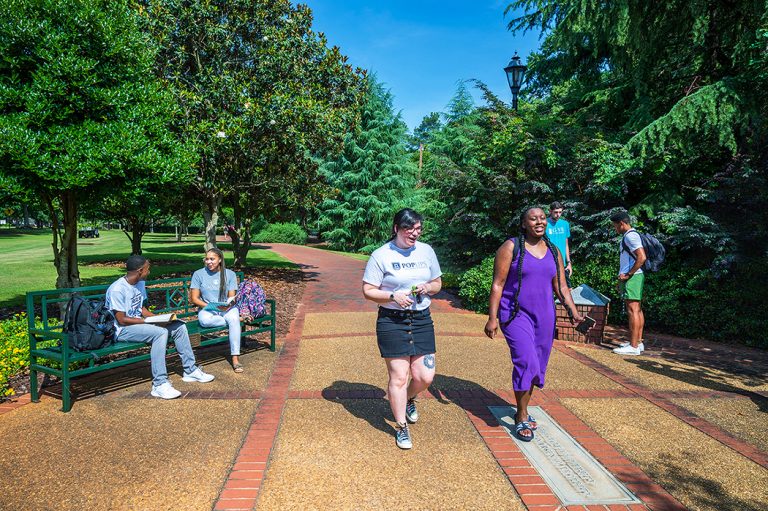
[[160, 318], [219, 306]]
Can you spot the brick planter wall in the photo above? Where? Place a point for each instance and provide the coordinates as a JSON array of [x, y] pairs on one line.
[[567, 332]]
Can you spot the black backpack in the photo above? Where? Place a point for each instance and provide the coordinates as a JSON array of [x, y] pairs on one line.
[[654, 251], [89, 324]]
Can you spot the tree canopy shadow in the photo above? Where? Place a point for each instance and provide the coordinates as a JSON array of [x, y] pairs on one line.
[[451, 297], [707, 377], [362, 403], [309, 271], [705, 493]]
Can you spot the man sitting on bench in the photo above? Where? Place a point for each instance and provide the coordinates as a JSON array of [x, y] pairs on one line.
[[125, 298]]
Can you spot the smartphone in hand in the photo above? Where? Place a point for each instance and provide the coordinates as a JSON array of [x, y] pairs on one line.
[[585, 325]]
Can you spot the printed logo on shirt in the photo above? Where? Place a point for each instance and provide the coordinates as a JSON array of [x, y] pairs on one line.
[[136, 301], [420, 265]]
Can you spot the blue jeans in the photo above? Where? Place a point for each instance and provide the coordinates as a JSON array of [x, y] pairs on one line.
[[157, 336], [231, 318]]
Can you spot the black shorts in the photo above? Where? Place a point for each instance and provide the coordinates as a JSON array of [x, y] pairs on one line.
[[405, 333]]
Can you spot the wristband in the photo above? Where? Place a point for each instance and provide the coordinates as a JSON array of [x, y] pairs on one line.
[[391, 297]]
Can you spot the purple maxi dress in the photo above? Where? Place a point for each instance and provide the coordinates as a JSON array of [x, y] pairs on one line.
[[531, 333]]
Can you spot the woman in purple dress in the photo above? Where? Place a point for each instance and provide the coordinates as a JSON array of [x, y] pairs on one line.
[[524, 306]]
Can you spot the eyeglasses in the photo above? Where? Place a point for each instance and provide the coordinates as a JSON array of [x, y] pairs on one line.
[[413, 230]]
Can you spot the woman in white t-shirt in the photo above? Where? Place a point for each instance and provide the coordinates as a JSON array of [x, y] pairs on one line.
[[400, 276], [208, 287]]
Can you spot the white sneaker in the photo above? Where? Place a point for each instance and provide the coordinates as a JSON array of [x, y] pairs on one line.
[[165, 391], [411, 413], [403, 436], [628, 350], [640, 346], [198, 375]]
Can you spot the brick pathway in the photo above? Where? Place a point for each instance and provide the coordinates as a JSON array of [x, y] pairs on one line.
[[334, 285]]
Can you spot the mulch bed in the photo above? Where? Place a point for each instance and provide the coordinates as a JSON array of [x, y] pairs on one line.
[[285, 285]]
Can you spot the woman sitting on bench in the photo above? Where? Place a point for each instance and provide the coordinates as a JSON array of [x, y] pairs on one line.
[[213, 285]]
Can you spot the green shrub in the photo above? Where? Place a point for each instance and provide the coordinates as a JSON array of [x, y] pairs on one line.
[[282, 233], [683, 300], [693, 302], [368, 249], [451, 279], [475, 286], [14, 349]]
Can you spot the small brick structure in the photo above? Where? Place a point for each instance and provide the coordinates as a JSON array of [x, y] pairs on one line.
[[589, 303]]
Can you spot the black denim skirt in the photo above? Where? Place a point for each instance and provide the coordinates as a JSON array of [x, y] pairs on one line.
[[405, 333]]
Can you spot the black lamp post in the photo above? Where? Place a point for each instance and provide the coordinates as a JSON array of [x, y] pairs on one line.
[[515, 71]]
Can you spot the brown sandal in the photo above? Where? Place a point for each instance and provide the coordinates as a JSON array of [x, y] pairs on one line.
[[238, 367]]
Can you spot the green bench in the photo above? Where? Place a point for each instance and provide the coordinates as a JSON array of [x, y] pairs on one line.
[[50, 353]]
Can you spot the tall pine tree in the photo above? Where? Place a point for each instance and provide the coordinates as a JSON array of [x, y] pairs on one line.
[[371, 179]]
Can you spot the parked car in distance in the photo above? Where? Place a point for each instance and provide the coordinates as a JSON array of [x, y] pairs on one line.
[[88, 232]]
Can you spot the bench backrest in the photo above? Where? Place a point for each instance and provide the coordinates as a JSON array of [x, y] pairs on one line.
[[164, 295]]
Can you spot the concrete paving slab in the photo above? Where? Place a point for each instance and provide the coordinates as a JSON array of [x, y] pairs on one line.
[[565, 373], [469, 363], [344, 323], [460, 323], [340, 323], [107, 454], [699, 471], [746, 419], [462, 363], [344, 363], [663, 374], [342, 456]]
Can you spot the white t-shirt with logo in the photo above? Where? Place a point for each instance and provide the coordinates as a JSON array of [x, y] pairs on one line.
[[123, 297], [627, 259], [392, 269]]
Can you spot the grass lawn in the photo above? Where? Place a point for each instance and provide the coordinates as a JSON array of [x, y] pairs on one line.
[[28, 259]]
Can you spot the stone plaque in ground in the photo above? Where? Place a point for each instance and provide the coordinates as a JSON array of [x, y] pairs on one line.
[[573, 474]]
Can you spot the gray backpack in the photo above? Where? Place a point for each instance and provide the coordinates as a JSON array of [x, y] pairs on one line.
[[655, 252], [89, 324]]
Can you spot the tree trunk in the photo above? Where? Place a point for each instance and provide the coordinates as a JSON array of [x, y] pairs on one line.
[[137, 231], [241, 254], [236, 242], [179, 229], [26, 217], [241, 236], [65, 242], [211, 218]]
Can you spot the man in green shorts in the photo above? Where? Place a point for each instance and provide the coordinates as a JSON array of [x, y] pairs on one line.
[[631, 280]]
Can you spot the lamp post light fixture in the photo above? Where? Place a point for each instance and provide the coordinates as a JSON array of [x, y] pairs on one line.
[[515, 71]]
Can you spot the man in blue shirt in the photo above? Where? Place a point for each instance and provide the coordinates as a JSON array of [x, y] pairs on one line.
[[558, 232]]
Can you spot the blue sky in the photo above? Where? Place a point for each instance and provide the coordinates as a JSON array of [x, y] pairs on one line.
[[420, 49]]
